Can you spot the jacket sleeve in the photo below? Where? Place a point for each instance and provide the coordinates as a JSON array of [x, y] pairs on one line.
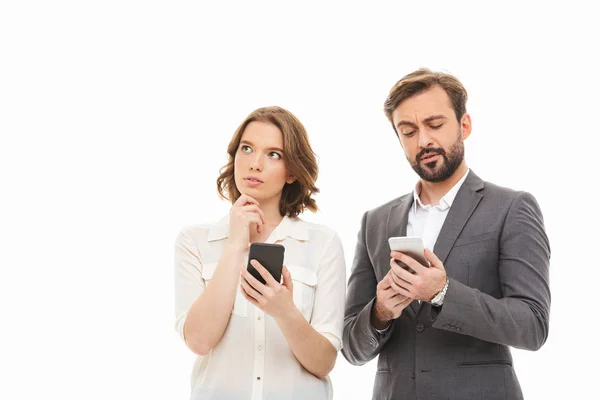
[[361, 341], [521, 317]]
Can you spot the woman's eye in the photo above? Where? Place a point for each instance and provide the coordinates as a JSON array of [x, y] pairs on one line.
[[274, 155], [245, 149]]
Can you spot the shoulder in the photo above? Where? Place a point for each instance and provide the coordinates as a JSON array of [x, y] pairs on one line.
[[195, 231], [317, 232], [508, 204], [506, 195], [493, 194], [383, 210], [200, 232]]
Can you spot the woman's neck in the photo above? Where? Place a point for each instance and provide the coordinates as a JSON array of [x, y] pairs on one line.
[[272, 218], [271, 211]]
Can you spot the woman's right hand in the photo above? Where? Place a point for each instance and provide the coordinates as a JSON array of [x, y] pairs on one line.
[[244, 215]]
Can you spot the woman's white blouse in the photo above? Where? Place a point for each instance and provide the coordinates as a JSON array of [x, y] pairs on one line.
[[253, 360]]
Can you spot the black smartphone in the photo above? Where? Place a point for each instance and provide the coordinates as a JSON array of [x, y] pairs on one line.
[[270, 256]]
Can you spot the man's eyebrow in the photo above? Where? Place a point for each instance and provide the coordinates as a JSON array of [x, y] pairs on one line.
[[434, 117], [405, 123], [426, 120]]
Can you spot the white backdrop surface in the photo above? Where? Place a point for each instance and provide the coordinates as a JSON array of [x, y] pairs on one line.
[[115, 117]]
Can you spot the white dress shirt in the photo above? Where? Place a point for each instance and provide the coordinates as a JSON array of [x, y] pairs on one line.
[[425, 221], [253, 359]]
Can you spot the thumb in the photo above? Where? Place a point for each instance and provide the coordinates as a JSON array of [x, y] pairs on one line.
[[434, 261], [287, 278]]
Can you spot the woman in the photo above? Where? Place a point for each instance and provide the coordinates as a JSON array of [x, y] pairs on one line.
[[273, 341]]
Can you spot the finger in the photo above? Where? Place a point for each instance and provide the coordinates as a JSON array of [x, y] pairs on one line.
[[399, 272], [388, 293], [251, 199], [396, 296], [244, 199], [287, 278], [250, 208], [250, 299], [409, 261], [253, 218], [401, 304], [249, 290], [434, 260], [255, 283], [263, 220], [254, 209], [400, 289], [264, 273], [262, 216], [401, 276], [384, 283], [254, 222]]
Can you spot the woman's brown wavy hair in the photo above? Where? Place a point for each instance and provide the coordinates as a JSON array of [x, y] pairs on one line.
[[298, 156]]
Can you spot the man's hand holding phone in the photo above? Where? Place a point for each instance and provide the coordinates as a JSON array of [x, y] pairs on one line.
[[274, 298], [423, 283], [389, 304]]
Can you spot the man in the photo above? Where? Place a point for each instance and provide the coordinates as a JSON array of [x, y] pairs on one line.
[[443, 331]]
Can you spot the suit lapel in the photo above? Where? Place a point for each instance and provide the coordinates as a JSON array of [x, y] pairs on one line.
[[398, 217], [396, 226], [464, 204], [462, 208]]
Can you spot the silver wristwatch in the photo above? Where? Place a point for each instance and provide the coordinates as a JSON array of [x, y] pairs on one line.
[[438, 300]]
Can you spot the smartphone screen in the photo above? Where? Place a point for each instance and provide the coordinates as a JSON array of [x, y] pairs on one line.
[[270, 256]]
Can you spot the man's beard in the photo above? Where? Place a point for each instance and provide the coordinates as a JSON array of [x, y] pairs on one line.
[[449, 162]]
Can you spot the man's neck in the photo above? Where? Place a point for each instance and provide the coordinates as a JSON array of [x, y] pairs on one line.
[[432, 192]]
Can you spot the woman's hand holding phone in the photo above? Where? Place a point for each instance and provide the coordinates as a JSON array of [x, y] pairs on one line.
[[244, 215], [273, 298]]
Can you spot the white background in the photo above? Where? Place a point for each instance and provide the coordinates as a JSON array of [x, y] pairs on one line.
[[114, 121]]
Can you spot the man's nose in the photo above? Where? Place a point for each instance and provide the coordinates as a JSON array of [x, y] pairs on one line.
[[425, 138]]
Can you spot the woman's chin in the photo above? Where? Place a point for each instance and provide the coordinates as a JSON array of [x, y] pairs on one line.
[[256, 194]]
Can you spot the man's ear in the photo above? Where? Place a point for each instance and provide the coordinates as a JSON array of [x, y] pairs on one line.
[[465, 126]]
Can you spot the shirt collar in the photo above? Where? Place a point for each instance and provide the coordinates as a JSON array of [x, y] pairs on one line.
[[288, 227], [445, 202], [220, 230]]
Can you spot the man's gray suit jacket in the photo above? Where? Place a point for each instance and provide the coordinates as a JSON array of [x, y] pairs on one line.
[[496, 253]]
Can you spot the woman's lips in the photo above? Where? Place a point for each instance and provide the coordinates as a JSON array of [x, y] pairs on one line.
[[253, 182]]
